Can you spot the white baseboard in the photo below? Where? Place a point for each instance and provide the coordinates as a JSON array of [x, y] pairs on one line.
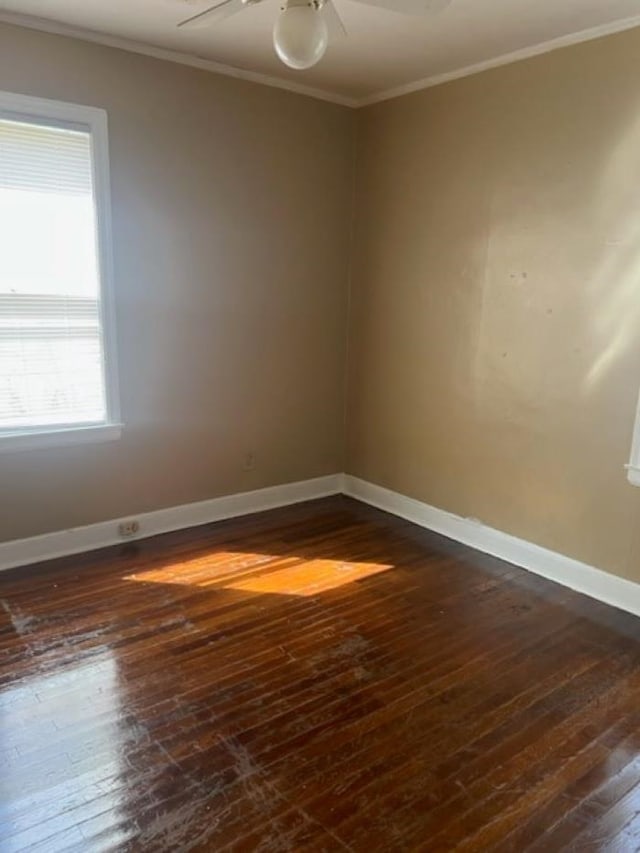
[[579, 576], [23, 552]]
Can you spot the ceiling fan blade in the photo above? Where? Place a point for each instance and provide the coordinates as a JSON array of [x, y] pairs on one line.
[[335, 23], [214, 13], [409, 7]]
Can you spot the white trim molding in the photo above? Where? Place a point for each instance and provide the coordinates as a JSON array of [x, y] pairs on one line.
[[633, 468], [633, 475], [56, 28], [581, 577], [45, 25], [13, 442], [506, 59], [49, 546], [571, 573], [92, 121]]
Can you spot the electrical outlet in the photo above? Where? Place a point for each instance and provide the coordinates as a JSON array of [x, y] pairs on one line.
[[128, 528], [249, 462]]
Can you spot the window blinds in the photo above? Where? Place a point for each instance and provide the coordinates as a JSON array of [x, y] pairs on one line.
[[51, 349]]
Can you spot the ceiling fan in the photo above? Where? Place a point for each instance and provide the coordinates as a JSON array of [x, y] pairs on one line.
[[302, 30]]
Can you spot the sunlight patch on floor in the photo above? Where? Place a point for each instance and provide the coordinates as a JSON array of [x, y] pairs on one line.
[[261, 573], [308, 578], [210, 568]]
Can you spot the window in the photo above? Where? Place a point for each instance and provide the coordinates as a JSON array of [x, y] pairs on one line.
[[633, 468], [57, 361]]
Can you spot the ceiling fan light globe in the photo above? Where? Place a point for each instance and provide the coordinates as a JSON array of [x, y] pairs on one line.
[[300, 37]]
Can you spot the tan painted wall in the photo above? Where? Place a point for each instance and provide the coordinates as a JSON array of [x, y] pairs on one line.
[[495, 323], [231, 214], [495, 326]]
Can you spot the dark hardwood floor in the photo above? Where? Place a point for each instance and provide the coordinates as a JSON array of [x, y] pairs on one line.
[[323, 677]]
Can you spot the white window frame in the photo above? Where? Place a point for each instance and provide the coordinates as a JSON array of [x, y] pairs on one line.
[[49, 112], [633, 468]]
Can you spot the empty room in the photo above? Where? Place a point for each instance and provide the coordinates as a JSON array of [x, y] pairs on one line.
[[319, 427]]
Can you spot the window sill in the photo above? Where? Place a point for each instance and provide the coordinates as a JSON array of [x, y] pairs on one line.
[[11, 442], [633, 474]]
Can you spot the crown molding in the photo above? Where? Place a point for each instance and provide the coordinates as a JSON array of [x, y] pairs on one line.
[[506, 59], [55, 28], [47, 26]]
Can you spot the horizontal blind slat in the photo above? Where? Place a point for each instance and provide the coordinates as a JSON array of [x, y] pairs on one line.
[[44, 159], [51, 353]]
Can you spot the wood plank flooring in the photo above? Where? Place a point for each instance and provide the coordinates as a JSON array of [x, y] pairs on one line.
[[323, 677]]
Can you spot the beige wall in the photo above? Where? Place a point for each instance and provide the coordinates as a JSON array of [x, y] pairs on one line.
[[231, 213], [494, 344], [495, 324]]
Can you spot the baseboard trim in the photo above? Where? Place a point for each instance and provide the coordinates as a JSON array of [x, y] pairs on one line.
[[578, 576], [49, 546], [581, 577]]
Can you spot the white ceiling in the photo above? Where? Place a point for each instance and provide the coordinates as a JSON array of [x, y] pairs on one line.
[[385, 50]]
